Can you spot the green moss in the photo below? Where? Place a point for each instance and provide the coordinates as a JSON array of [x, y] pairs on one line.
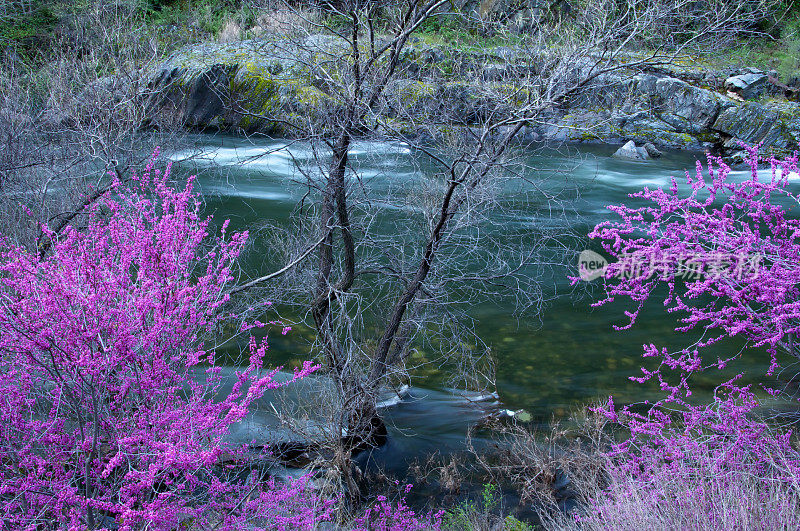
[[587, 136], [257, 90], [309, 96], [413, 92], [707, 136], [517, 95]]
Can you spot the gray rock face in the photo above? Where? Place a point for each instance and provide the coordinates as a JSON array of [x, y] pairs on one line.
[[258, 86], [750, 123], [748, 86], [629, 151], [605, 91], [687, 108], [505, 53], [324, 43], [645, 84], [206, 103]]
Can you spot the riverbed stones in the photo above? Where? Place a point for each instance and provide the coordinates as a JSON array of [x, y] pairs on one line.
[[645, 127]]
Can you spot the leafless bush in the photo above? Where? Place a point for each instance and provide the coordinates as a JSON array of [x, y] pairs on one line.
[[689, 496], [547, 469], [231, 31], [375, 297], [78, 114]]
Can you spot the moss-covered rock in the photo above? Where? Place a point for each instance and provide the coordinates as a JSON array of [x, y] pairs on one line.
[[262, 86]]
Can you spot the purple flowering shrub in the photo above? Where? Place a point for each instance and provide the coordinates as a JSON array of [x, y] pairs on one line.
[[741, 248], [102, 420], [386, 515], [739, 260]]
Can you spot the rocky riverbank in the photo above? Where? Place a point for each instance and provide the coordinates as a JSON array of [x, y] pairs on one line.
[[257, 86]]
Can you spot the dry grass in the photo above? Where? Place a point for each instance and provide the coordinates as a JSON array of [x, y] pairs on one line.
[[567, 476], [287, 21], [690, 498], [231, 32]]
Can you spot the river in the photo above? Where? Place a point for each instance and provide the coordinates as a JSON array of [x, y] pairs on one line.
[[547, 364]]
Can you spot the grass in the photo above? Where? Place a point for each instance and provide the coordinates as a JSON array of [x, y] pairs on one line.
[[691, 497], [177, 21], [208, 16], [482, 515], [462, 33], [781, 53]]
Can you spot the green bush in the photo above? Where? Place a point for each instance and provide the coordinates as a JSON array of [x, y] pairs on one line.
[[482, 515], [26, 31], [450, 29], [206, 15]]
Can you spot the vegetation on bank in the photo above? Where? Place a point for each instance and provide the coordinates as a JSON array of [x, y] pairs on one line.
[[32, 29]]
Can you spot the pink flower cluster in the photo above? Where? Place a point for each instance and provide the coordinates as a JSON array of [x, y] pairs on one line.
[[720, 217], [397, 516], [111, 409], [676, 436]]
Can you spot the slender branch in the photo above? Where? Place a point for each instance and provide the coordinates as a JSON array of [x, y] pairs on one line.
[[279, 272]]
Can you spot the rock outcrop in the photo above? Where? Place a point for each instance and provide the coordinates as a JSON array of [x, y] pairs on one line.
[[751, 123], [253, 86], [748, 86]]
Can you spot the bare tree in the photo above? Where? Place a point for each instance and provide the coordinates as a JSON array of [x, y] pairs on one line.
[[71, 116], [357, 58]]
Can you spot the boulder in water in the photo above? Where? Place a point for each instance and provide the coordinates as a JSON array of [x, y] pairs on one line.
[[652, 151], [630, 151]]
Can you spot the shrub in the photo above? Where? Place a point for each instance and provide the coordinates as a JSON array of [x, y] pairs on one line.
[[111, 407], [706, 465]]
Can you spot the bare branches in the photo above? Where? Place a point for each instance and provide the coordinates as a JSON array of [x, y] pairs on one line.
[[75, 117], [279, 272]]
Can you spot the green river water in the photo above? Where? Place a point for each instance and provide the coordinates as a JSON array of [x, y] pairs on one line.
[[547, 364]]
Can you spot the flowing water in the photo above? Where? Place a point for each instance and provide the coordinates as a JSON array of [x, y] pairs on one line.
[[546, 364]]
